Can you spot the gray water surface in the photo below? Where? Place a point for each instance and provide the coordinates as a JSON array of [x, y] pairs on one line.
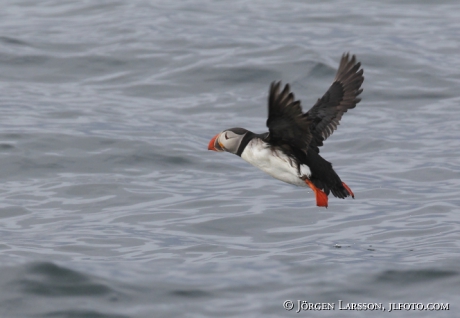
[[111, 205]]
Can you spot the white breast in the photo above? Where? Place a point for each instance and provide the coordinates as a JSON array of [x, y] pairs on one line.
[[275, 163]]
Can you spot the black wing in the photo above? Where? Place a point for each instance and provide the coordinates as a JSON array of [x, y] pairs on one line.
[[287, 125], [340, 97]]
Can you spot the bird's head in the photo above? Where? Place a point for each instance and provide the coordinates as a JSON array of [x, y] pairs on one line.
[[228, 140]]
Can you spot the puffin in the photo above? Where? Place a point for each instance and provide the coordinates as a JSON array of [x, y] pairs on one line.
[[289, 151]]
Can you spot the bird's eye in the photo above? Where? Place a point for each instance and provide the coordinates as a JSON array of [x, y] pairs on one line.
[[226, 137]]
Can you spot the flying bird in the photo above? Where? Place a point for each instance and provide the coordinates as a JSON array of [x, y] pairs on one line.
[[289, 151]]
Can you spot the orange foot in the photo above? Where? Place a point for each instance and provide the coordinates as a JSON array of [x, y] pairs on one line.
[[349, 190], [321, 197]]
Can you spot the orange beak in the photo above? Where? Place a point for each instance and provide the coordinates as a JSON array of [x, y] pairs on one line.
[[214, 144]]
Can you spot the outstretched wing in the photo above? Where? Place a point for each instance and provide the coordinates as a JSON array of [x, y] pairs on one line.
[[340, 97], [287, 125]]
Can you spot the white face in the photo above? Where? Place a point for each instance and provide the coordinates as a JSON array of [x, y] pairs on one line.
[[229, 141]]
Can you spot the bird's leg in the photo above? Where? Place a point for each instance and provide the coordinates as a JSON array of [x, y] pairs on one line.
[[321, 197], [349, 190]]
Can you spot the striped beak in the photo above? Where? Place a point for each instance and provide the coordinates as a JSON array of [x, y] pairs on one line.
[[214, 144]]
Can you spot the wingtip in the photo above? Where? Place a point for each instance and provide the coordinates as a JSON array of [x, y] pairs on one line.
[[275, 87]]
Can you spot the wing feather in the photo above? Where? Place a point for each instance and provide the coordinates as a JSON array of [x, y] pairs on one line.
[[290, 128], [286, 123], [341, 96]]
